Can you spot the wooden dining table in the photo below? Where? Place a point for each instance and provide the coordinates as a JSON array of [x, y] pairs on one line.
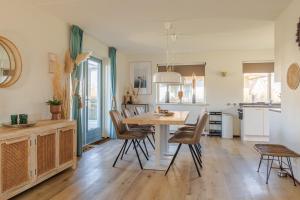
[[161, 158]]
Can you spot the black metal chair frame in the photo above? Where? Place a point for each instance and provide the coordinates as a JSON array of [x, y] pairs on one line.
[[136, 143], [280, 162], [195, 150]]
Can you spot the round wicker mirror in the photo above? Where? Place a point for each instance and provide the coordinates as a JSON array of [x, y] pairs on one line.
[[293, 76], [10, 63]]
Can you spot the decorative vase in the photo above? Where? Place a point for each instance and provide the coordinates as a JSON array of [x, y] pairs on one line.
[[55, 111], [180, 95]]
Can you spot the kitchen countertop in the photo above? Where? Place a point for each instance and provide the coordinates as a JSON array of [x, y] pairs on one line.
[[275, 110], [260, 105]]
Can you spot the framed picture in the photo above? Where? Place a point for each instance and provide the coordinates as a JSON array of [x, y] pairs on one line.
[[141, 77]]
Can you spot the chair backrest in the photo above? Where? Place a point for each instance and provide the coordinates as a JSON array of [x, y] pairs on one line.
[[116, 118], [127, 113], [139, 110], [200, 127]]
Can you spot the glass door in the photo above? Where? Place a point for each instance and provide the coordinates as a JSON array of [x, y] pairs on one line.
[[93, 102]]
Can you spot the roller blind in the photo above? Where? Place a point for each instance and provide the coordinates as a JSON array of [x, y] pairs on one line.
[[267, 67], [185, 70]]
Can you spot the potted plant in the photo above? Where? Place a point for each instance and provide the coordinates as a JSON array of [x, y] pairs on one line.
[[55, 108]]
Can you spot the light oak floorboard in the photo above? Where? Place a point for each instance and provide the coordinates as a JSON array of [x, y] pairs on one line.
[[229, 173]]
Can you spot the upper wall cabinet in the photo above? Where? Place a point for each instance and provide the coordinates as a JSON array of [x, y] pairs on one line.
[[10, 63]]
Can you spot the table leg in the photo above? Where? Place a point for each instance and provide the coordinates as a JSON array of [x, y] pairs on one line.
[[164, 137], [157, 145], [160, 161]]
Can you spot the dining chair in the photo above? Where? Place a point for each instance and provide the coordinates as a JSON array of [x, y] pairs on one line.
[[192, 139], [189, 127], [139, 110], [124, 134], [146, 129]]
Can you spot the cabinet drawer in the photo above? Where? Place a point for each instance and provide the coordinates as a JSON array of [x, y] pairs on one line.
[[15, 163]]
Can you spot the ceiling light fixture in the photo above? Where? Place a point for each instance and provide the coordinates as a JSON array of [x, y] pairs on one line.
[[169, 76]]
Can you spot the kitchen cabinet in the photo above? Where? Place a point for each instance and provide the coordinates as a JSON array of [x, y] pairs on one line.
[[255, 124]]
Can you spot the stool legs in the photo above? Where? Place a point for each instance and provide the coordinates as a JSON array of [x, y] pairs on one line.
[[291, 169], [261, 158], [269, 168]]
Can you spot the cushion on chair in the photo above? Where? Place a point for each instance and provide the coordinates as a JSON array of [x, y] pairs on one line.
[[132, 135], [182, 137], [192, 128]]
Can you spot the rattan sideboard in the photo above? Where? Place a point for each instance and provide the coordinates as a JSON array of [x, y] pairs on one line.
[[29, 156]]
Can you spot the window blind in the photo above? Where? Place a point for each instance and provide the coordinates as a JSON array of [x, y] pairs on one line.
[[267, 67], [185, 70]]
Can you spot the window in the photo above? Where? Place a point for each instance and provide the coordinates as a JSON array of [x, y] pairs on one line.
[[186, 88], [259, 84]]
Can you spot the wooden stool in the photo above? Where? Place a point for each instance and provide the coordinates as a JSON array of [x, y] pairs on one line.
[[272, 151]]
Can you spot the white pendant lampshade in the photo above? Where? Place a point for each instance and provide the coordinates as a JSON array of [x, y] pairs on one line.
[[167, 77]]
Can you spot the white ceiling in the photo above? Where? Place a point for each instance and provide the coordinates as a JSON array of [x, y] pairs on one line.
[[137, 26]]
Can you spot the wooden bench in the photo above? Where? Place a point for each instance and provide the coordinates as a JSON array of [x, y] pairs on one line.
[[270, 152]]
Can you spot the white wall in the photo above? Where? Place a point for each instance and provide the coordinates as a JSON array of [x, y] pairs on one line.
[[219, 90], [287, 52], [35, 34]]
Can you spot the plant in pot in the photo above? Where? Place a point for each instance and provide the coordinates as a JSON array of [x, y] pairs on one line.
[[55, 108]]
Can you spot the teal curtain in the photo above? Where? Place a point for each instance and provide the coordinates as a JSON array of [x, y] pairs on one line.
[[75, 49], [113, 70]]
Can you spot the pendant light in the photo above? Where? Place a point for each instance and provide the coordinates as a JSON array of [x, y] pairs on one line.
[[169, 76]]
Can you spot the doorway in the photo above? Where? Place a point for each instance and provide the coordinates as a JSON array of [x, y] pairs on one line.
[[92, 93]]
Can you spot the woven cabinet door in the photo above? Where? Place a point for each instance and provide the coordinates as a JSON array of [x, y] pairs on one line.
[[15, 163], [46, 153], [66, 145]]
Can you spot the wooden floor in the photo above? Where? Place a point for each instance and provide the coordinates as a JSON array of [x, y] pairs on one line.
[[229, 173]]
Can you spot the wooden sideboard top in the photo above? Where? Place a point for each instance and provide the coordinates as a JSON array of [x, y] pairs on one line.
[[40, 127]]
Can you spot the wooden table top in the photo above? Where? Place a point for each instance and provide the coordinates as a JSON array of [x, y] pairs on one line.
[[178, 118]]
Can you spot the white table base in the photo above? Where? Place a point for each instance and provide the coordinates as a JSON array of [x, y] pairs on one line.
[[162, 157]]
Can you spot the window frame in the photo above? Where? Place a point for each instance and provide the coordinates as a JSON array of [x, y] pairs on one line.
[[181, 88], [269, 88]]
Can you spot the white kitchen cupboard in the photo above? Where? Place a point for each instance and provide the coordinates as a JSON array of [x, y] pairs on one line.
[[255, 124], [31, 155]]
